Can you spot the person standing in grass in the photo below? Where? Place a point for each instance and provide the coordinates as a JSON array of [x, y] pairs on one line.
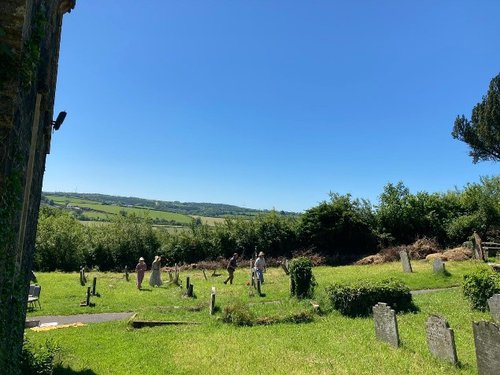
[[155, 279], [260, 267], [140, 269], [231, 267]]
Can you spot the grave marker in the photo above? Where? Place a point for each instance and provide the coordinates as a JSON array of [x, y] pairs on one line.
[[386, 325], [204, 274], [94, 282], [441, 339], [438, 265], [126, 273], [494, 305], [83, 279], [190, 291], [212, 301], [405, 261], [487, 342]]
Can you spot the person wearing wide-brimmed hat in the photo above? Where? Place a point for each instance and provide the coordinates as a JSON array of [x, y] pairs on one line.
[[260, 267], [140, 269]]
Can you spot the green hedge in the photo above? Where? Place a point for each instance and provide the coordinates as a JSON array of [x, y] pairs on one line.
[[479, 286], [357, 299], [302, 280]]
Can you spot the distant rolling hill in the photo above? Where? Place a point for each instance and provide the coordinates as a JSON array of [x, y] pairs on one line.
[[100, 207]]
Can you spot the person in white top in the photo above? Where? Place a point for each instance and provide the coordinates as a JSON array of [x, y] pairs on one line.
[[260, 267]]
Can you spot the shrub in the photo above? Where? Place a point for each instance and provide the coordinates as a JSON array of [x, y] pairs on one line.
[[38, 360], [302, 281], [479, 286], [359, 298], [237, 314]]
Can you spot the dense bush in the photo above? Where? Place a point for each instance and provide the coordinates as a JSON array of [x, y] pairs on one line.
[[479, 286], [358, 299], [38, 360], [61, 241], [302, 281]]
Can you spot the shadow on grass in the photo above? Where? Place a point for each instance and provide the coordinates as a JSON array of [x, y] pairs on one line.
[[60, 370]]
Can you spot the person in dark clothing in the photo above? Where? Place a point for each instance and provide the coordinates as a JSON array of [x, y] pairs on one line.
[[231, 267]]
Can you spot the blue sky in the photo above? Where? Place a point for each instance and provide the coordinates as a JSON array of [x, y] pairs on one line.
[[269, 104]]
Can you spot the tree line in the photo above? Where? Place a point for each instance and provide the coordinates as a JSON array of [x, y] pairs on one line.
[[342, 229]]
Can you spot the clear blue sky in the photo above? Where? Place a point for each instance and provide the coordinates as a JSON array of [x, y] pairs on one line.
[[269, 104]]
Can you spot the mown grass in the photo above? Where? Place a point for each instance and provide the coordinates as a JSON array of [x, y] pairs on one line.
[[331, 344]]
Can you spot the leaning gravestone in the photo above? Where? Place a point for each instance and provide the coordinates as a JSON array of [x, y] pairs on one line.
[[438, 265], [405, 261], [494, 305], [487, 341], [441, 339], [386, 325]]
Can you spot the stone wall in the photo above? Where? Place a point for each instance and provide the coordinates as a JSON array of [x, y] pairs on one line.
[[29, 51]]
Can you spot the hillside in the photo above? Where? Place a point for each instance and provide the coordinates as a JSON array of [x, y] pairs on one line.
[[100, 207]]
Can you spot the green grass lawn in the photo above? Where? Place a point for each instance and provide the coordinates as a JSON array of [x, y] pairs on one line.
[[331, 344]]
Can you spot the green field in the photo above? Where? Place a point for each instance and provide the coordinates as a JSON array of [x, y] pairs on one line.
[[331, 344], [101, 211]]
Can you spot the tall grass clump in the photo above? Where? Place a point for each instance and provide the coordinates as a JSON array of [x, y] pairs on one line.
[[357, 299], [480, 285], [38, 359]]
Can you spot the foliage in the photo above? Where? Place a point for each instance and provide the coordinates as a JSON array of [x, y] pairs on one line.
[[357, 299], [38, 359], [342, 228], [302, 282], [32, 49], [7, 61], [238, 314], [482, 131], [61, 241], [480, 285]]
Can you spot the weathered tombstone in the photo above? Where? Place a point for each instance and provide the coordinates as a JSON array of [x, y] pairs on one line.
[[284, 265], [212, 301], [386, 325], [478, 252], [494, 305], [83, 279], [438, 265], [405, 261], [170, 277], [258, 286], [441, 339], [94, 282], [487, 342], [87, 299], [126, 273], [190, 291], [188, 282]]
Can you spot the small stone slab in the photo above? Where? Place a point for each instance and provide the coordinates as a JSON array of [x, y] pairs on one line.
[[405, 261], [386, 325], [438, 265], [155, 323], [441, 339], [212, 301], [487, 342], [494, 305]]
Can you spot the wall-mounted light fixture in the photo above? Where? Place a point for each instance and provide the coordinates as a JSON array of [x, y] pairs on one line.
[[59, 120]]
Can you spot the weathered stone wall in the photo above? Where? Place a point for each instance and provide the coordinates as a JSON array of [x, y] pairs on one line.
[[29, 51]]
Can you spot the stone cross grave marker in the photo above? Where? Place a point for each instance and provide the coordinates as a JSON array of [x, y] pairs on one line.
[[212, 301], [441, 339], [386, 325], [405, 261], [494, 305], [438, 265], [487, 342]]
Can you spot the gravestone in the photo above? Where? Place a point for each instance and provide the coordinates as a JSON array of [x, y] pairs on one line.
[[212, 301], [170, 277], [204, 275], [83, 279], [405, 261], [487, 342], [494, 305], [441, 339], [188, 282], [126, 273], [190, 292], [438, 265], [94, 283], [386, 325]]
